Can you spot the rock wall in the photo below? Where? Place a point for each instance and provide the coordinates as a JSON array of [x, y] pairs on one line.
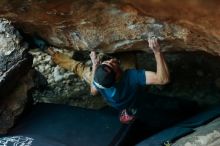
[[15, 79], [207, 135], [56, 85], [16, 103], [13, 57], [114, 26], [198, 16]]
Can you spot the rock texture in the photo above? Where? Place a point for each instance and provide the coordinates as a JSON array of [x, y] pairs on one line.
[[198, 16], [13, 57], [14, 78], [113, 26], [16, 102], [61, 86], [207, 135]]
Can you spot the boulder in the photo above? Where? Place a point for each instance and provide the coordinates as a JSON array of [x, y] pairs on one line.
[[207, 135], [15, 64]]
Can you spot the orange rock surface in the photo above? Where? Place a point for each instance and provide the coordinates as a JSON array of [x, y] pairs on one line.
[[114, 26]]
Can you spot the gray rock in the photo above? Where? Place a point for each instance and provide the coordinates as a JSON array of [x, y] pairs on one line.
[[207, 135], [15, 80], [14, 61]]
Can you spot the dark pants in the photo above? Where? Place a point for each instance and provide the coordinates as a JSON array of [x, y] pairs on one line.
[[155, 113], [158, 112]]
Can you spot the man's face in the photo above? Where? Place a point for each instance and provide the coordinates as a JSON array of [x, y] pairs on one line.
[[114, 64]]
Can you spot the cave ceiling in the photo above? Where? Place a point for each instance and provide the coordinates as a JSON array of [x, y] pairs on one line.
[[123, 25]]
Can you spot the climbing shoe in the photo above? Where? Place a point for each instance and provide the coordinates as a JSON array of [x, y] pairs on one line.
[[126, 118]]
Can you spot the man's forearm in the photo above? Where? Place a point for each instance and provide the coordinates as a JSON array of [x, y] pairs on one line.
[[162, 69], [94, 66], [93, 91]]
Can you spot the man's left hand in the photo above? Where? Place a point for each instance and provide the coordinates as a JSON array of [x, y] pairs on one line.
[[154, 45]]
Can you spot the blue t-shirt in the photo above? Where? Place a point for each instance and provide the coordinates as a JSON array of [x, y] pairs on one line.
[[122, 93]]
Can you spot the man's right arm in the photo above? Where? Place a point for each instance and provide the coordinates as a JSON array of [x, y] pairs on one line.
[[95, 63]]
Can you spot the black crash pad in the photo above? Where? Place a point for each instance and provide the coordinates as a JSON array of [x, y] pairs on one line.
[[181, 129], [59, 125]]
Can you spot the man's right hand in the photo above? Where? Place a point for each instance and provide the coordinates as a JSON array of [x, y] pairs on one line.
[[154, 45], [94, 59]]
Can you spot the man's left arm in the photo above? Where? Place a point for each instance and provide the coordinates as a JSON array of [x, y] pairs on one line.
[[161, 76]]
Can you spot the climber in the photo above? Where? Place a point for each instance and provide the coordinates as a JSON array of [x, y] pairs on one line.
[[120, 87], [116, 86]]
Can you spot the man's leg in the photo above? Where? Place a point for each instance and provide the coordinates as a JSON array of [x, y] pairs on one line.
[[79, 68]]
